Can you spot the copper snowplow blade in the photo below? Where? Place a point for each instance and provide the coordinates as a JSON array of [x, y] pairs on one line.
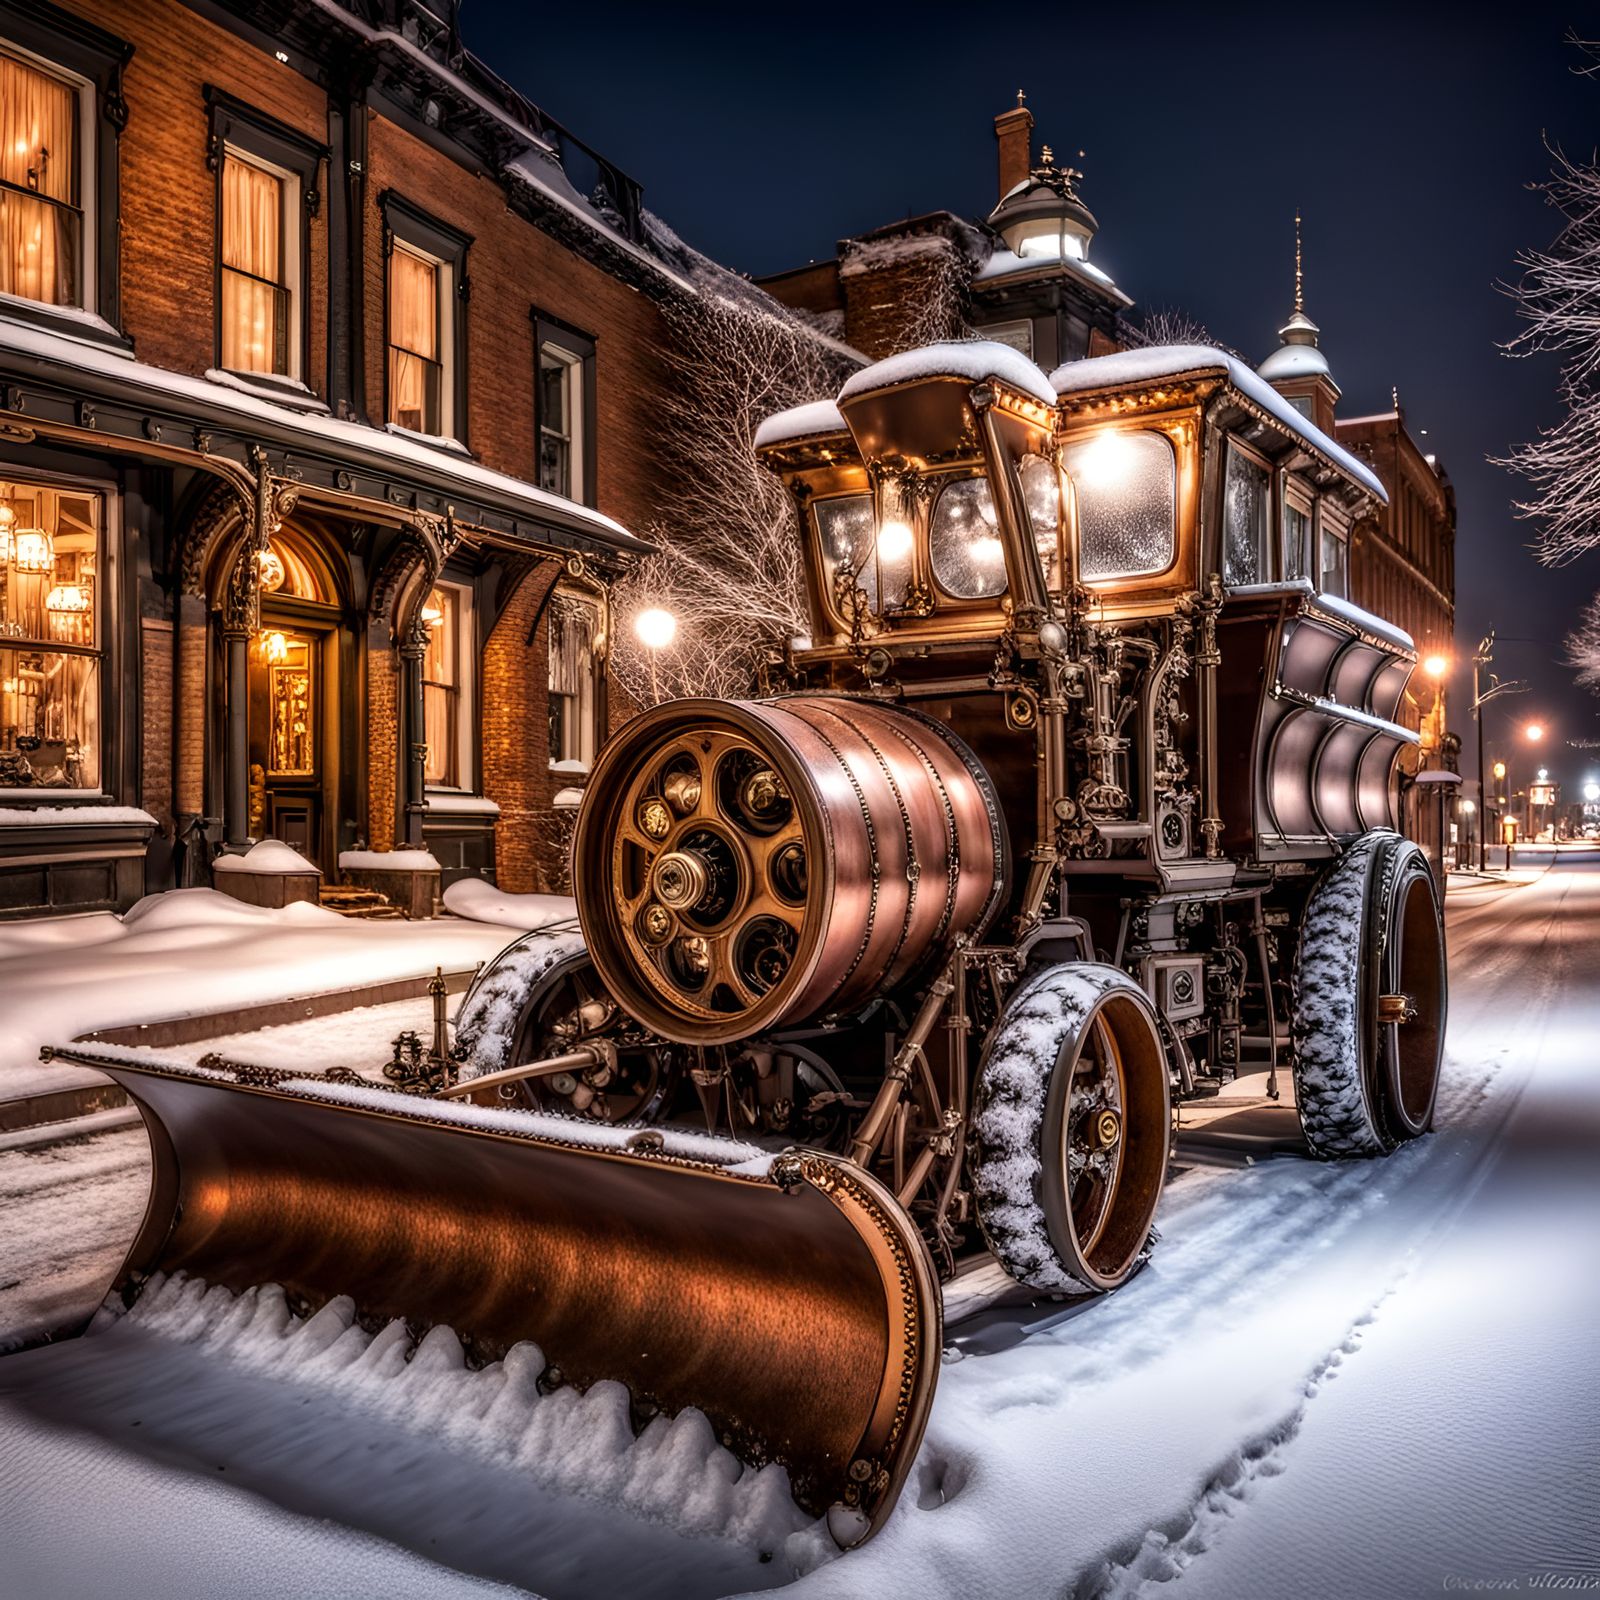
[[788, 1297]]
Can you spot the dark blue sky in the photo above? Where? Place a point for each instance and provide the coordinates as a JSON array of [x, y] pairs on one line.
[[1408, 137]]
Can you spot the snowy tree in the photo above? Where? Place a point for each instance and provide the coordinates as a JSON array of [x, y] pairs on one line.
[[728, 564], [1583, 646]]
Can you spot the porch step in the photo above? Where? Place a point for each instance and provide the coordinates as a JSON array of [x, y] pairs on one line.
[[350, 901]]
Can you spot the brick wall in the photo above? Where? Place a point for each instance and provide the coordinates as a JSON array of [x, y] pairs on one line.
[[169, 209], [383, 691], [157, 663]]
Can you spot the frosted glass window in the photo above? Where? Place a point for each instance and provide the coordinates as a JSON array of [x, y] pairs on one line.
[[848, 568], [1297, 546], [1335, 561], [969, 561], [1127, 494], [1041, 493], [1244, 521]]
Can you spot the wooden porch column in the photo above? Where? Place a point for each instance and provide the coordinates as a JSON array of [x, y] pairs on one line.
[[414, 727]]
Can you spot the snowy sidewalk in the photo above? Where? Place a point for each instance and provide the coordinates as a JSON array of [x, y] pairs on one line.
[[193, 951]]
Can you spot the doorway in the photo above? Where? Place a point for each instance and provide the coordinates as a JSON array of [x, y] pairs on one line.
[[288, 736]]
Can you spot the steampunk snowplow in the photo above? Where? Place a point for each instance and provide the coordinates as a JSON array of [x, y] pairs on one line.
[[1077, 803]]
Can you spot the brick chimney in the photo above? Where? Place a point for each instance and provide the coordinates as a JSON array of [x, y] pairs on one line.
[[1013, 131]]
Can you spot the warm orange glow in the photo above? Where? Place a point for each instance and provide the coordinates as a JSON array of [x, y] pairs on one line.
[[1436, 666], [1535, 731], [1499, 769]]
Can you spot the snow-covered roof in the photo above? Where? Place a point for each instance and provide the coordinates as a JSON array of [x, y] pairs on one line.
[[973, 359], [1345, 610], [1007, 263], [809, 421], [1156, 362], [541, 171], [320, 433], [1294, 361]]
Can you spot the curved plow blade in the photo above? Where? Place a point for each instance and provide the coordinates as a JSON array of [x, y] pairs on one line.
[[788, 1297]]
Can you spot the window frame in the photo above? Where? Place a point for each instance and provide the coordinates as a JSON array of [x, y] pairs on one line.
[[259, 139], [425, 235], [68, 47], [1335, 525], [1269, 538], [464, 689], [1293, 494], [585, 597], [105, 650], [577, 349]]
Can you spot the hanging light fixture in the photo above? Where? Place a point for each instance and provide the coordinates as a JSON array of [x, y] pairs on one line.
[[272, 569], [274, 647], [433, 610], [33, 550], [68, 598]]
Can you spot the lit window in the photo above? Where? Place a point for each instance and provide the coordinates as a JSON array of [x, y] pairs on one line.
[[49, 637], [41, 208], [1125, 488], [416, 340], [445, 672], [258, 247], [845, 525], [575, 622], [560, 422], [1246, 557], [969, 561]]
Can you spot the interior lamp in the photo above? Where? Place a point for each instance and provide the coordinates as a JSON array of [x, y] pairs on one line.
[[32, 550], [67, 598]]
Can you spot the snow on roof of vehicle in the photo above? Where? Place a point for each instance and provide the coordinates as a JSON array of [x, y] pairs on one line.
[[809, 421], [973, 359], [1171, 361]]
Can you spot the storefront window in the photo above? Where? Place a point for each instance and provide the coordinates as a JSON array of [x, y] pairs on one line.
[[574, 703], [50, 569]]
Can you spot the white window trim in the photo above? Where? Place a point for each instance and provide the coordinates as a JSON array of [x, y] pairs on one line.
[[293, 256], [88, 170], [466, 691], [572, 383]]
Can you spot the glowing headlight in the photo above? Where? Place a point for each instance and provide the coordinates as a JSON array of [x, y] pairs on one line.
[[894, 541], [1106, 461]]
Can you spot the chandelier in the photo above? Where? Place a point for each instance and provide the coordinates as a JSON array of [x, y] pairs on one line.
[[32, 550]]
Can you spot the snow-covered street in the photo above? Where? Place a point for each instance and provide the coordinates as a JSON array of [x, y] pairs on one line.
[[1333, 1380]]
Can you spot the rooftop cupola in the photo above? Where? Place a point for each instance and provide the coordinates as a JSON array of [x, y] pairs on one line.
[[1042, 218], [1298, 369]]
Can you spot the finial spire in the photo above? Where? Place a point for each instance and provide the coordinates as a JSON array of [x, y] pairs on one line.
[[1299, 277], [1021, 97], [1394, 395], [1048, 156]]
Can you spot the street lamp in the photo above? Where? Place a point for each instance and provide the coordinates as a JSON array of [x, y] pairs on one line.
[[1480, 697], [1534, 731], [655, 629], [1591, 791]]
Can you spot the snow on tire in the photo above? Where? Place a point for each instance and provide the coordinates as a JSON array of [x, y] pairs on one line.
[[491, 1015], [1369, 1003], [1043, 1079]]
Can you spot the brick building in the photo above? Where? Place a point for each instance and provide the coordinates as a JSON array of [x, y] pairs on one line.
[[326, 364]]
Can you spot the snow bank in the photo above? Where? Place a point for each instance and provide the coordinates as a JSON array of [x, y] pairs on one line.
[[1171, 361], [974, 359], [674, 1473], [191, 951], [388, 861], [482, 902], [271, 856]]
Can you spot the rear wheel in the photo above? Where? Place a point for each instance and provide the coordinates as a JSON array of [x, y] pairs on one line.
[[1370, 1000], [1070, 1125]]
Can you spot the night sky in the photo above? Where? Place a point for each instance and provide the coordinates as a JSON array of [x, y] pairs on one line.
[[1407, 139]]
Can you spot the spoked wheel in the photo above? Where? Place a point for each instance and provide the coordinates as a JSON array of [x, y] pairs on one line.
[[1370, 1000], [1070, 1130], [545, 999]]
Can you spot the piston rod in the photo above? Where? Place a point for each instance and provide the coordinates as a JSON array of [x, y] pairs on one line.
[[573, 1061]]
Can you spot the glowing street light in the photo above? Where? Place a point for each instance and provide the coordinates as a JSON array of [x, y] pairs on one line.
[[655, 628], [1534, 731], [1500, 771], [1436, 666], [1591, 791]]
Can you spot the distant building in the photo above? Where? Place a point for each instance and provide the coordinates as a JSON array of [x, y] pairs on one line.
[[1022, 275]]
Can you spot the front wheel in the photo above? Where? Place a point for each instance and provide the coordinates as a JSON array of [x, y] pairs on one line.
[[1370, 1000], [1071, 1122]]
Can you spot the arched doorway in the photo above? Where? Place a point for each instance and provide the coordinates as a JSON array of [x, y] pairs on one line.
[[294, 700]]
